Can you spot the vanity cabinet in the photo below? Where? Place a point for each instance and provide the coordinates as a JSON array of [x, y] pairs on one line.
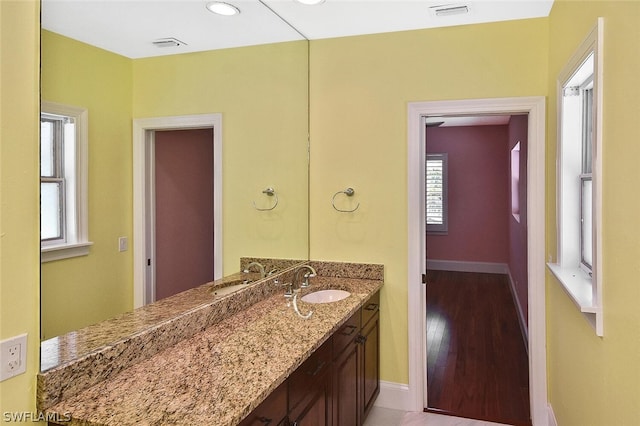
[[356, 372], [310, 389], [370, 356], [346, 373], [272, 411], [340, 381]]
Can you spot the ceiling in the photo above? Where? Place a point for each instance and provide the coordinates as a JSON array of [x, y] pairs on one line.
[[128, 27]]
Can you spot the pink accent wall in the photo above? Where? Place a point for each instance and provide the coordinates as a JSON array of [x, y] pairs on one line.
[[184, 210], [478, 193], [518, 127]]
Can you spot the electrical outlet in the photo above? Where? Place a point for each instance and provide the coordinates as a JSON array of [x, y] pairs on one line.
[[123, 244], [13, 356]]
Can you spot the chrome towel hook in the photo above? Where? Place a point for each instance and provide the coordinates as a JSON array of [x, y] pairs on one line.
[[271, 193], [348, 192]]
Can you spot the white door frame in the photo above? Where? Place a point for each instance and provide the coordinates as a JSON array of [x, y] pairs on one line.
[[535, 108], [143, 129]]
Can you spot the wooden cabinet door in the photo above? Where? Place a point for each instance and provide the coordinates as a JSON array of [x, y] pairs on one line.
[[346, 410], [272, 411], [370, 341], [318, 411]]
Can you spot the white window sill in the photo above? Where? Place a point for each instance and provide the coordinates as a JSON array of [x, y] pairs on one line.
[[578, 286], [51, 253]]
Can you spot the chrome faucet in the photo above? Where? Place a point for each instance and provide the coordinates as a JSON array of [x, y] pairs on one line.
[[310, 274], [258, 265]]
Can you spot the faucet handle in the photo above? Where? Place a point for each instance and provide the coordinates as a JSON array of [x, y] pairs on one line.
[[306, 277], [289, 292]]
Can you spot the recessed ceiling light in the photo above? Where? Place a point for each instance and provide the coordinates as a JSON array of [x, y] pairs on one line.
[[310, 2], [221, 8]]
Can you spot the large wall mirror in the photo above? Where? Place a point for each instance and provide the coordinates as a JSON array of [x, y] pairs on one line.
[[251, 69]]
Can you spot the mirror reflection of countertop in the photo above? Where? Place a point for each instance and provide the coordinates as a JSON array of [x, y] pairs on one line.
[[219, 375]]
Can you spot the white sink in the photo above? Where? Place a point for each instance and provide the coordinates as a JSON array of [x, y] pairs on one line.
[[228, 289], [325, 296]]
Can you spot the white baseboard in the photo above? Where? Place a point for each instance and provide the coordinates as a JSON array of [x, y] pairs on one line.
[[462, 266], [394, 396], [552, 416], [521, 318]]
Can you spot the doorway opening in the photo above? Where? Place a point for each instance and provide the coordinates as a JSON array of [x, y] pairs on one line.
[[208, 131], [534, 109], [476, 245]]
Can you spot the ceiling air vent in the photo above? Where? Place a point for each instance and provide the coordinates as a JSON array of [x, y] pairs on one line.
[[168, 42], [450, 9]]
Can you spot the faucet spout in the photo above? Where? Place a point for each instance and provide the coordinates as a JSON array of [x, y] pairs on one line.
[[258, 265], [309, 274]]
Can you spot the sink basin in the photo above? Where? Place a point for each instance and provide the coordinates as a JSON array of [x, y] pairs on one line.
[[325, 296]]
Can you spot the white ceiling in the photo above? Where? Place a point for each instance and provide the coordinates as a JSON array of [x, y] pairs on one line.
[[128, 27]]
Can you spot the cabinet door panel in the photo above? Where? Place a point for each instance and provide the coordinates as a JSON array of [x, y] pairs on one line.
[[309, 377], [371, 363], [272, 410], [345, 387]]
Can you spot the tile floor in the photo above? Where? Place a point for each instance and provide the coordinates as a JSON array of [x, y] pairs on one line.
[[386, 417]]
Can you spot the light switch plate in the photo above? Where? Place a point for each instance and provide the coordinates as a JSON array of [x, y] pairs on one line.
[[123, 244]]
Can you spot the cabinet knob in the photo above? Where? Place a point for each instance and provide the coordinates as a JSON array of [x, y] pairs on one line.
[[361, 339], [372, 307], [350, 328], [264, 420]]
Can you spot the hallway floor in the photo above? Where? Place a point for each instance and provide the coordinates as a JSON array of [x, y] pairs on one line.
[[477, 365], [386, 417]]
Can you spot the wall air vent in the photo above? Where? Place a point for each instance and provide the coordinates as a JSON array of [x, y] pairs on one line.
[[450, 9], [168, 42]]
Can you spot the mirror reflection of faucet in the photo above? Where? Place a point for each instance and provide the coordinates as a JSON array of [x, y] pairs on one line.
[[260, 269]]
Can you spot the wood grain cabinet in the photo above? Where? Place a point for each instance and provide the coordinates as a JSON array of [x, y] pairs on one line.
[[337, 385], [272, 411], [310, 389], [369, 340]]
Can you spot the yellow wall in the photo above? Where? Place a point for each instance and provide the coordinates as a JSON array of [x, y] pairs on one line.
[[592, 380], [83, 290], [19, 194], [360, 87], [262, 93]]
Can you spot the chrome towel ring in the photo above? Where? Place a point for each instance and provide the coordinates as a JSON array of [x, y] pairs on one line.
[[271, 193], [349, 193]]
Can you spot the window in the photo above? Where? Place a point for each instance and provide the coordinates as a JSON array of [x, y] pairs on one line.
[[515, 181], [63, 182], [436, 193], [578, 267]]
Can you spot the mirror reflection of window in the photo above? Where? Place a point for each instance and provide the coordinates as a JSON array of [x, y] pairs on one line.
[[63, 195]]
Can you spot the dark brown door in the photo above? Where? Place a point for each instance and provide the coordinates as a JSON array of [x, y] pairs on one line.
[[184, 210]]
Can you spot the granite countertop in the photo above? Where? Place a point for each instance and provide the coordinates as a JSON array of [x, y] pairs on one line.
[[219, 375]]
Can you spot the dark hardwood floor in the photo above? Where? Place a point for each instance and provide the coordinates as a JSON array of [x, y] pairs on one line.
[[477, 364]]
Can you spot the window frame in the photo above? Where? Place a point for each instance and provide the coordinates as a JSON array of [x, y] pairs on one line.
[[57, 172], [584, 286], [74, 174], [443, 228]]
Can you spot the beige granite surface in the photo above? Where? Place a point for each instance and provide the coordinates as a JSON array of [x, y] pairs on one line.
[[69, 347], [220, 374], [78, 360]]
